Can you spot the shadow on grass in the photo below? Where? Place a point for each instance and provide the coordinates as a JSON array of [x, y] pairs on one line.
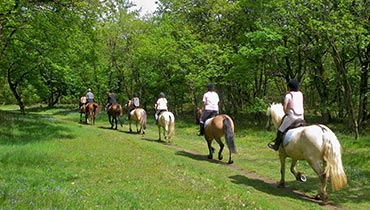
[[200, 157], [16, 128], [266, 187]]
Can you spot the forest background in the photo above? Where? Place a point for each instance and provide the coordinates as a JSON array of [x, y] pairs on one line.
[[53, 51]]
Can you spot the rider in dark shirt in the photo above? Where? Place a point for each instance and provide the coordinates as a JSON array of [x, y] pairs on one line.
[[111, 100]]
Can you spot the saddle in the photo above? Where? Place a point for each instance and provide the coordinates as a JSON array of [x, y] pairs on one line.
[[295, 124]]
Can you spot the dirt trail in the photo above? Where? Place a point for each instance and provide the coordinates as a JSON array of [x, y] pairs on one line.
[[252, 175]]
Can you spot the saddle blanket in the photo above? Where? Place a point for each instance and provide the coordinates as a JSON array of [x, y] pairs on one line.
[[289, 134], [208, 121]]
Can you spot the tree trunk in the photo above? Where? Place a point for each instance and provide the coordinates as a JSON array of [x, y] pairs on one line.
[[348, 92]]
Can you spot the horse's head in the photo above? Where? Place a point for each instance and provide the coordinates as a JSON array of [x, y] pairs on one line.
[[129, 104], [274, 113], [269, 122]]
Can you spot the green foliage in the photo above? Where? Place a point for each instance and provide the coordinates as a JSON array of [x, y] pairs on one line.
[[248, 49]]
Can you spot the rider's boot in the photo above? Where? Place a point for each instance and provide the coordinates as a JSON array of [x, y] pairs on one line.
[[201, 129], [278, 140]]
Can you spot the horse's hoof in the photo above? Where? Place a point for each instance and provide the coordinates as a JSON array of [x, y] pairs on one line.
[[220, 157], [301, 177], [231, 162], [210, 157]]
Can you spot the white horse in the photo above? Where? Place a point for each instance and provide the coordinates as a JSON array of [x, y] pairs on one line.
[[166, 121], [316, 144]]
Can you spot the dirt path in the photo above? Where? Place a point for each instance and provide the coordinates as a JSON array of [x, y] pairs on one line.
[[252, 175]]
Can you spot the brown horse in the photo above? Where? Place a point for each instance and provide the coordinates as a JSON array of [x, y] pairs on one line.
[[114, 112], [138, 115], [92, 110], [82, 106], [215, 128]]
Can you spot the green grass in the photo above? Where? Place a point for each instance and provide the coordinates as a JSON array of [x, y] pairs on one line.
[[48, 160]]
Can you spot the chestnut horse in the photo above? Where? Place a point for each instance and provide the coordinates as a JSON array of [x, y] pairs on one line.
[[138, 115], [166, 121], [92, 111], [114, 112], [316, 144], [215, 128]]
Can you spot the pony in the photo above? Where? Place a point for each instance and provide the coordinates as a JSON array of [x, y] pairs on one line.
[[92, 111], [114, 112], [166, 121], [316, 144], [139, 116], [215, 128], [82, 106]]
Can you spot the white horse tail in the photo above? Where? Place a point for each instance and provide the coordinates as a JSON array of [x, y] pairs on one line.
[[229, 135], [333, 157], [171, 130]]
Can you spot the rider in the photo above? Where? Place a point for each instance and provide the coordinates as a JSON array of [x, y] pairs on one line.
[[210, 105], [89, 96], [111, 100], [160, 105], [135, 104], [293, 108]]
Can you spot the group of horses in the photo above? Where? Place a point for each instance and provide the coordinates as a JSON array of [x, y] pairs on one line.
[[316, 144], [166, 120]]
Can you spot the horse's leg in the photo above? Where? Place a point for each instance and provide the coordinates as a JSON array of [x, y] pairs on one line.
[[110, 121], [130, 126], [298, 175], [220, 157], [324, 177], [211, 150], [282, 171], [159, 133]]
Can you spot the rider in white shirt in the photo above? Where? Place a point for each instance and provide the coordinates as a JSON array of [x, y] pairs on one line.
[[210, 104], [160, 105], [293, 108]]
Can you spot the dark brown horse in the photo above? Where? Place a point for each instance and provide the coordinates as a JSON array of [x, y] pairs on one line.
[[92, 110], [215, 128], [114, 112]]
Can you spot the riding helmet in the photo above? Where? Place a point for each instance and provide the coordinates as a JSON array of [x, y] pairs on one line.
[[161, 95], [89, 90], [135, 94], [293, 84], [210, 86]]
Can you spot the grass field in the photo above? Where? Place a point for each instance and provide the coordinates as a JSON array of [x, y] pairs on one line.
[[48, 160]]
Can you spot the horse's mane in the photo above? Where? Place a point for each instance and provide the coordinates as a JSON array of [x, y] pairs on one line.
[[275, 112], [277, 108]]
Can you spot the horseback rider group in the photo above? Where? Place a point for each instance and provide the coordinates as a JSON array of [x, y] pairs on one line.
[[293, 107]]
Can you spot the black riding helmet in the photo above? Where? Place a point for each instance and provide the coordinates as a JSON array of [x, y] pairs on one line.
[[210, 87], [293, 84], [135, 94], [161, 95]]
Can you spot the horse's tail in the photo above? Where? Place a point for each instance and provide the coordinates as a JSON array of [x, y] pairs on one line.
[[96, 108], [171, 131], [229, 135], [333, 158], [119, 113], [143, 121]]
